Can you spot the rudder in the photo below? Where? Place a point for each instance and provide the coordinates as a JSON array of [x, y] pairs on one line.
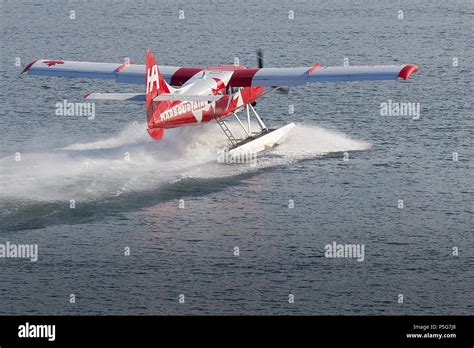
[[155, 85]]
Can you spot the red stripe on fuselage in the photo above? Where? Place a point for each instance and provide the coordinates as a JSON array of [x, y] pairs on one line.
[[182, 75]]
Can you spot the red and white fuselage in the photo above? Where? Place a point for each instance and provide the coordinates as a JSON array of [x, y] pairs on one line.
[[201, 99]]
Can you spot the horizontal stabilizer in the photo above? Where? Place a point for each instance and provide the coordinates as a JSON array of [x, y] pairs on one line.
[[187, 97], [136, 97]]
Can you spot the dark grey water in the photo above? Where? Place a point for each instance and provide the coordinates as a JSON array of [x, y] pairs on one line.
[[190, 251]]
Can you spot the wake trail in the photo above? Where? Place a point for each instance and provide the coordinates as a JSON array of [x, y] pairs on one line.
[[131, 161]]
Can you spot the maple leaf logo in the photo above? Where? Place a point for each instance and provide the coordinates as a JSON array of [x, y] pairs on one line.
[[53, 62]]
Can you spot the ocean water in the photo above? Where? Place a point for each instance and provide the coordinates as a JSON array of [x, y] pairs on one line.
[[182, 215]]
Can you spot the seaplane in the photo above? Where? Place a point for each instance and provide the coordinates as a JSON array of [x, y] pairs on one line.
[[186, 96]]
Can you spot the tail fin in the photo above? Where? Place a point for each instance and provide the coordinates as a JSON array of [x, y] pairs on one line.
[[155, 85]]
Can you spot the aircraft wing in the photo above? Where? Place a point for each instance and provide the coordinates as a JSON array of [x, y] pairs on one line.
[[122, 73], [241, 77], [301, 76]]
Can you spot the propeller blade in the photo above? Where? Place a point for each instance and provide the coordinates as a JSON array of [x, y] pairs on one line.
[[283, 90], [260, 58]]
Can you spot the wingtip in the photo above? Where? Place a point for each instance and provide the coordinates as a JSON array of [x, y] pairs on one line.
[[87, 94], [28, 67], [407, 71]]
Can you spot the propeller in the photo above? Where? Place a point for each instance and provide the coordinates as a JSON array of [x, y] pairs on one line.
[[260, 58], [282, 90]]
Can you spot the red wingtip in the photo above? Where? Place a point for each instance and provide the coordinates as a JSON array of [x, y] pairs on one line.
[[28, 67], [407, 71], [87, 94]]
